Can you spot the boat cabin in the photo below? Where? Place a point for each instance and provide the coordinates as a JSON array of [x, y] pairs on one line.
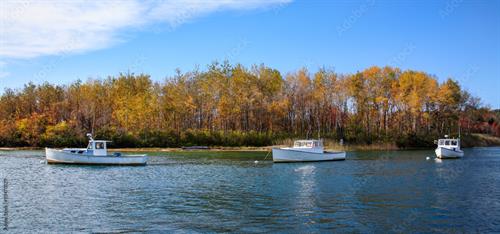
[[308, 145], [95, 148], [449, 143]]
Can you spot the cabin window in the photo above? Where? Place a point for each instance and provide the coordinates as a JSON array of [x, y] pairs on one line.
[[99, 145], [309, 144], [447, 143], [454, 143], [315, 144], [441, 142]]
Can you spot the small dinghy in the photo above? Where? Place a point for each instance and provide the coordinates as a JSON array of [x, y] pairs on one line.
[[449, 148], [306, 151], [95, 154]]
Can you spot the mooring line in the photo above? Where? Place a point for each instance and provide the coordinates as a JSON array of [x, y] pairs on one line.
[[267, 154]]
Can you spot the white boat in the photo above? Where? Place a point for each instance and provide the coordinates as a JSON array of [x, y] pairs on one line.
[[95, 154], [449, 148], [306, 151]]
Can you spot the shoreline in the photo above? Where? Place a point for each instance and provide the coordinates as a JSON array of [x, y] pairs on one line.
[[473, 140], [234, 149], [240, 149], [231, 149]]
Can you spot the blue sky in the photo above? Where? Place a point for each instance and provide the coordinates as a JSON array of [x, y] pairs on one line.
[[63, 42]]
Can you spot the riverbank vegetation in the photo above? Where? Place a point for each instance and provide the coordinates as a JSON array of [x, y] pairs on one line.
[[232, 105]]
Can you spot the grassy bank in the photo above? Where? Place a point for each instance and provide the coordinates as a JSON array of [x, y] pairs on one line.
[[480, 140], [473, 140], [372, 147]]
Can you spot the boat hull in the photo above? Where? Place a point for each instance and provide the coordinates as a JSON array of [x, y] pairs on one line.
[[444, 153], [54, 156], [289, 155]]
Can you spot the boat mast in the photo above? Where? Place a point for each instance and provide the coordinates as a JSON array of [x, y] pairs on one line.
[[459, 129]]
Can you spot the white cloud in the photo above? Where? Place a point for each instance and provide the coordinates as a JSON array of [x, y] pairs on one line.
[[36, 28]]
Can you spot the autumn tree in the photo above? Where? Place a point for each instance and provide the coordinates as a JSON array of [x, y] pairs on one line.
[[228, 104]]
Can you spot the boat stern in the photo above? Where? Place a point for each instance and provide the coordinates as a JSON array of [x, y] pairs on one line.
[[444, 153]]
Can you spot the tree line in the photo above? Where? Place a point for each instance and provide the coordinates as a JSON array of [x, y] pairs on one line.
[[233, 105]]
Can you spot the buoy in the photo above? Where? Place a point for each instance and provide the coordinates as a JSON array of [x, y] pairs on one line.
[[256, 161], [427, 158]]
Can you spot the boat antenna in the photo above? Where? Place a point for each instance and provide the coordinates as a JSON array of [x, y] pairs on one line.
[[459, 129]]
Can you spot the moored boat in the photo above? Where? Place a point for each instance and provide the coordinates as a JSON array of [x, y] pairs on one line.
[[306, 151], [95, 154], [449, 148]]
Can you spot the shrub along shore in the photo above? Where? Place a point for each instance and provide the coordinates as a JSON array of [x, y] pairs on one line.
[[474, 140]]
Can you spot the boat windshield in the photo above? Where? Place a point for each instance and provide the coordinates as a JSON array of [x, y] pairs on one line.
[[89, 146], [303, 144], [99, 145], [307, 144], [448, 142]]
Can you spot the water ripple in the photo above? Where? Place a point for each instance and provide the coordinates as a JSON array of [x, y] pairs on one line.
[[396, 191]]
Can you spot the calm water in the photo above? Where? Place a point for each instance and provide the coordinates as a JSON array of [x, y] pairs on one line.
[[227, 192]]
